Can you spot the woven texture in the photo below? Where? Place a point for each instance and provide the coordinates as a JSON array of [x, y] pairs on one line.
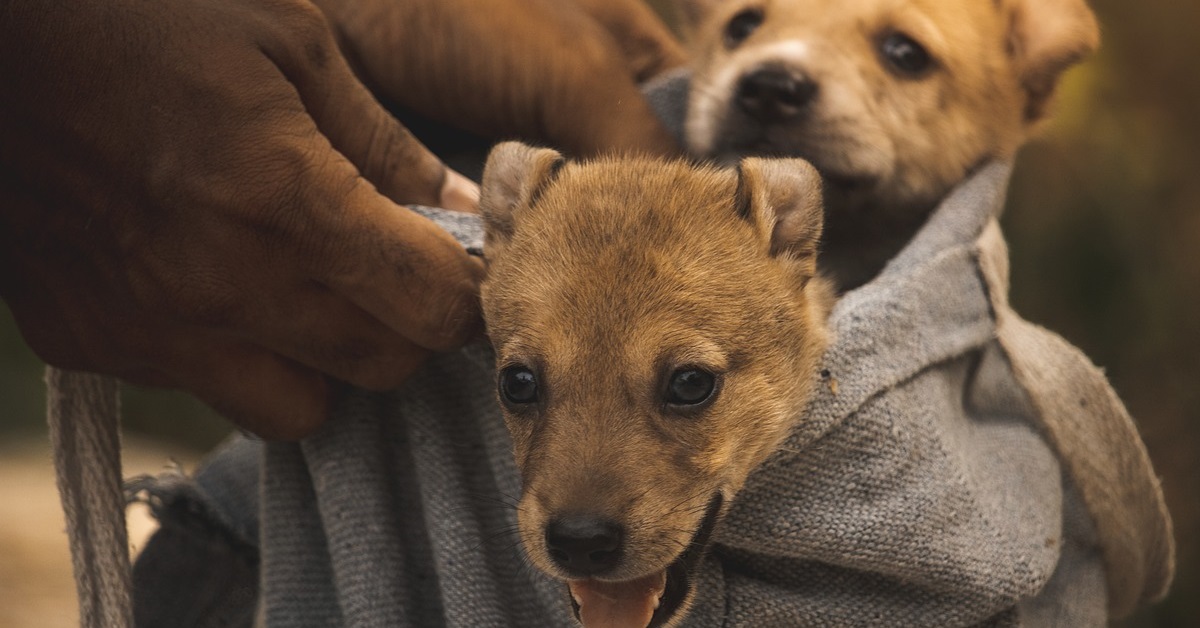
[[917, 490], [83, 412]]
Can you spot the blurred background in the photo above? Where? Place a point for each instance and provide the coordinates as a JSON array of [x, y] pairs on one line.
[[1103, 223]]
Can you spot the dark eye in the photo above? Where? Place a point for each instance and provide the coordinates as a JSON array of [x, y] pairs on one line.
[[904, 54], [741, 25], [690, 387], [518, 385]]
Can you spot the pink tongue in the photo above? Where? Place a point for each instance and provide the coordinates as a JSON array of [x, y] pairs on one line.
[[628, 604]]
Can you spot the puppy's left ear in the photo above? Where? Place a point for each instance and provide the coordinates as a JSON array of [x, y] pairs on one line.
[[513, 178], [782, 197], [1045, 38]]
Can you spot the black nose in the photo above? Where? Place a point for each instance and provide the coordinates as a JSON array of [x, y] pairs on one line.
[[584, 545], [775, 94]]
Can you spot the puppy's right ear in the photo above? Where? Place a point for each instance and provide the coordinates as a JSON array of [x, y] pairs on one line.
[[513, 178], [1045, 38], [782, 199]]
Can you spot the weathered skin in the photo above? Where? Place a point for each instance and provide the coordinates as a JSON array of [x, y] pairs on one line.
[[201, 195]]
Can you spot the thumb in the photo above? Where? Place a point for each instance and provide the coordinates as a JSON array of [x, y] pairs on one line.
[[459, 193], [357, 126]]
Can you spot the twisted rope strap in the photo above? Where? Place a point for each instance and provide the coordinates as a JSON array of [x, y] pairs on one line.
[[83, 410]]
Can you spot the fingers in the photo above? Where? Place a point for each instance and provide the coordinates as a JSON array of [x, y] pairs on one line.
[[260, 391], [543, 70], [257, 389], [357, 126], [459, 193], [319, 329], [401, 268], [646, 42], [180, 260], [392, 263]]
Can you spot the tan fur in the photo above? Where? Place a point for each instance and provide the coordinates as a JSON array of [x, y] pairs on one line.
[[606, 276], [891, 145]]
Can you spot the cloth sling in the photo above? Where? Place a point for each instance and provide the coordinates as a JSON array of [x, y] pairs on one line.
[[958, 467]]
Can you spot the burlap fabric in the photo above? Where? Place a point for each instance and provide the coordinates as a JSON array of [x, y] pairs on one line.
[[957, 467]]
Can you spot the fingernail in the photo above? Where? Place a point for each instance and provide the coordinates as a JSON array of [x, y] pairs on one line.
[[459, 193]]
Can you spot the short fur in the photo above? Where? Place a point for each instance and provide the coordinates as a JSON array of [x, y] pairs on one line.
[[889, 144], [603, 278]]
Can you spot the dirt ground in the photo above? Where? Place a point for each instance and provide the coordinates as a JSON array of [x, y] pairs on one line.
[[36, 588]]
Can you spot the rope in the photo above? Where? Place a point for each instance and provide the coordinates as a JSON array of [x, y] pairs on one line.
[[83, 410]]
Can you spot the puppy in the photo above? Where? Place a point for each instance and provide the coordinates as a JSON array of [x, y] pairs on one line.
[[657, 329], [893, 101]]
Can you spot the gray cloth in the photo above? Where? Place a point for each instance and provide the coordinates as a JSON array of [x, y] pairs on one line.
[[200, 569], [916, 492], [929, 483]]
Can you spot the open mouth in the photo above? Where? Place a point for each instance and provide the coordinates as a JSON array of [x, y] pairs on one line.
[[650, 601]]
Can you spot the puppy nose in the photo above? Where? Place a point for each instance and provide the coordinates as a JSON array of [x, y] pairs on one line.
[[775, 94], [584, 545]]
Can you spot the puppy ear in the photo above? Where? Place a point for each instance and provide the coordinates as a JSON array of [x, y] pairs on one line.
[[513, 177], [782, 197], [1045, 38]]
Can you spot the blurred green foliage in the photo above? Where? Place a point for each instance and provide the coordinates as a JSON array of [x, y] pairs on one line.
[[1104, 226]]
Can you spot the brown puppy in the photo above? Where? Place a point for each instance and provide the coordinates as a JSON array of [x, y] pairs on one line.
[[894, 101], [657, 328]]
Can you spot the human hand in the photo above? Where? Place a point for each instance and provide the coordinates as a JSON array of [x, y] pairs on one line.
[[183, 203], [554, 71], [647, 44]]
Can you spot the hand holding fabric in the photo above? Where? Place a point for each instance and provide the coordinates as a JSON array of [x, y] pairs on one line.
[[200, 195]]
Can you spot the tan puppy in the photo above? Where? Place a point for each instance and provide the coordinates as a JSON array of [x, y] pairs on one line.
[[894, 101], [657, 328]]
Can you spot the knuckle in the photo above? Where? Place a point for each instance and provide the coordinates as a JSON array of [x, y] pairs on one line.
[[405, 169], [296, 191], [208, 301], [62, 356], [385, 150], [288, 405], [367, 364], [599, 53], [87, 335], [307, 21], [379, 375], [285, 168], [143, 375], [341, 356], [454, 314], [309, 34], [190, 292], [50, 339]]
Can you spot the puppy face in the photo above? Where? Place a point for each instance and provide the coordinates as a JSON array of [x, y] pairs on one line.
[[894, 101], [657, 329]]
